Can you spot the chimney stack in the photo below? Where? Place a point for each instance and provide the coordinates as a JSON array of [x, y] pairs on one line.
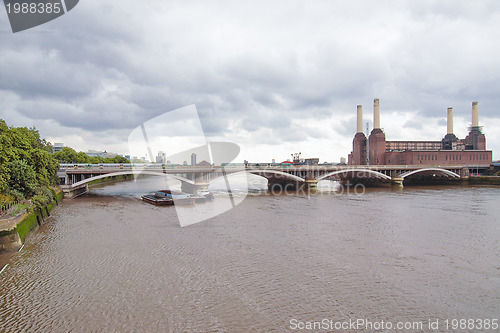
[[475, 115], [360, 119], [450, 121], [376, 114]]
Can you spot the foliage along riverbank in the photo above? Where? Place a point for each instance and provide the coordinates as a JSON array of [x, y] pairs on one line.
[[27, 167], [15, 230]]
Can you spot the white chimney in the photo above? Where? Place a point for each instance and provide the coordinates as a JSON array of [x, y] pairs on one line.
[[475, 115], [376, 114], [450, 121], [360, 119]]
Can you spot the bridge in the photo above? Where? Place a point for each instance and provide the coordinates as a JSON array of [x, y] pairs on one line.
[[76, 177]]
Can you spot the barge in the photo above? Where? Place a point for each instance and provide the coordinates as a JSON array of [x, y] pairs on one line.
[[157, 200], [179, 198]]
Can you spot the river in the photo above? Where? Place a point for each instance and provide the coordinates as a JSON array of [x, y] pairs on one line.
[[109, 262]]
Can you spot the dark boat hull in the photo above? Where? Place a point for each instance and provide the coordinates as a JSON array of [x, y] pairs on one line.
[[157, 201]]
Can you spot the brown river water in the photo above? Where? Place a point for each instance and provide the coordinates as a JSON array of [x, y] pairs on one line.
[[108, 262]]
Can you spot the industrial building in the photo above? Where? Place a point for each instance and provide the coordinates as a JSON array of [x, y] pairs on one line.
[[376, 150]]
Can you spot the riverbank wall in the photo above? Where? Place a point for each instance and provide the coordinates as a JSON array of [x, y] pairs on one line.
[[15, 230], [484, 180]]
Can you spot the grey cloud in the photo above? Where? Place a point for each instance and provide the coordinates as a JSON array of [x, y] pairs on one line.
[[266, 119], [412, 124], [115, 65]]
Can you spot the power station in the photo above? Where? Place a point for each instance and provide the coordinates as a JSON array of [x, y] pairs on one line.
[[376, 150]]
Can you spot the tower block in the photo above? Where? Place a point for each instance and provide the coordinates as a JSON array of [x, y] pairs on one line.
[[358, 155], [377, 138]]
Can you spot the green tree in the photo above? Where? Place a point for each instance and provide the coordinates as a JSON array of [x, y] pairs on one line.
[[7, 154], [120, 159], [81, 157], [22, 177], [42, 197], [69, 155], [22, 154], [97, 160], [66, 155], [45, 167]]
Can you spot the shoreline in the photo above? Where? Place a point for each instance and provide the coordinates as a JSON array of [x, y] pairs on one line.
[[15, 230], [484, 180]]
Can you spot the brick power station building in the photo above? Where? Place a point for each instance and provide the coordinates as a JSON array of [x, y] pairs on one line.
[[376, 150]]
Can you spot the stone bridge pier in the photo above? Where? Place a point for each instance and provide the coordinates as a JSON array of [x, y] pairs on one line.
[[310, 179], [198, 182], [71, 192]]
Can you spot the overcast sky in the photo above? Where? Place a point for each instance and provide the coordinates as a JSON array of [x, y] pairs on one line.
[[275, 77]]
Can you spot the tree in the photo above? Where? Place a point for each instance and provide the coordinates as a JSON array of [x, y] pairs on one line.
[[66, 155], [45, 167], [24, 154], [81, 157], [22, 177], [69, 155], [120, 159]]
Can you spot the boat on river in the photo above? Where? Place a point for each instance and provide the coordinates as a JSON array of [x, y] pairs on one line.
[[157, 200], [179, 198]]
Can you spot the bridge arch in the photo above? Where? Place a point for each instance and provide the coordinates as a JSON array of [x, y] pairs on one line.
[[435, 170], [373, 172], [275, 174], [131, 172]]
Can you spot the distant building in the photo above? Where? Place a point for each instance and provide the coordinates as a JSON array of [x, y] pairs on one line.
[[94, 153], [103, 154], [193, 159], [58, 146], [311, 161], [161, 157], [375, 150], [204, 164], [343, 160], [496, 166]]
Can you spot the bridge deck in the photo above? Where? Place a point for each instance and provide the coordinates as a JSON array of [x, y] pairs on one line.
[[230, 169]]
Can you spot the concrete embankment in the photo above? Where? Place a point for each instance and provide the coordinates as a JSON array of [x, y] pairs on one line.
[[15, 230], [484, 180]]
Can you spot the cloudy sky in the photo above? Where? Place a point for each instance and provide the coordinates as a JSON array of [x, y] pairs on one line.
[[275, 77]]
